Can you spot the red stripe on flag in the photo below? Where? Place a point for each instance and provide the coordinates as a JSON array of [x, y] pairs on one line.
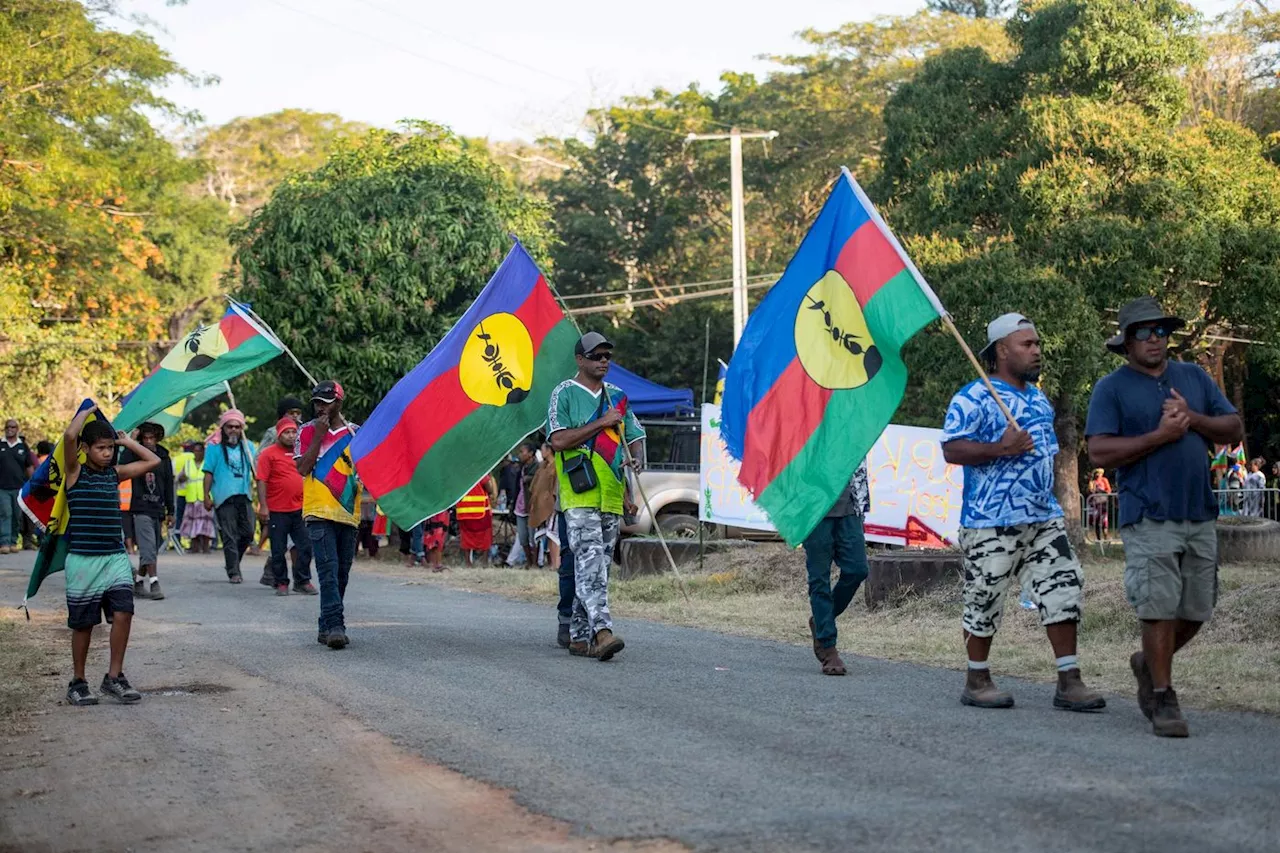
[[235, 330], [867, 261], [442, 404], [780, 424]]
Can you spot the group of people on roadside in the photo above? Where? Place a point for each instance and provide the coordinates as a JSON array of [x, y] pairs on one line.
[[1153, 420]]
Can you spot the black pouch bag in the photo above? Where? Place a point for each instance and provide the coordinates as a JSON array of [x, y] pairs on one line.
[[581, 473]]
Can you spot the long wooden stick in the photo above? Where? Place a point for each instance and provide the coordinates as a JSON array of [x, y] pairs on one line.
[[977, 365]]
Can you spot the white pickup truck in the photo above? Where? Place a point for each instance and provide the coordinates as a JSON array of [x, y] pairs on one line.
[[670, 479]]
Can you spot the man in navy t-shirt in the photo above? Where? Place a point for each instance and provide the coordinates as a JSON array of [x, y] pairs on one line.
[[1156, 420]]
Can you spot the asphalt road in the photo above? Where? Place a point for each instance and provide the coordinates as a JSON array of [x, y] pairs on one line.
[[727, 743]]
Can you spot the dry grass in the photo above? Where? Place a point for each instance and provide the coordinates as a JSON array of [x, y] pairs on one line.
[[31, 654], [760, 592]]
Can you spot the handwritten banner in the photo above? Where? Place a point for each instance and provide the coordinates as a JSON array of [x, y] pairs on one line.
[[915, 494]]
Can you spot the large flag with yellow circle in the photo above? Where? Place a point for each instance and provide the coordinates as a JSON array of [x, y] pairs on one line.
[[818, 373], [476, 395], [204, 357]]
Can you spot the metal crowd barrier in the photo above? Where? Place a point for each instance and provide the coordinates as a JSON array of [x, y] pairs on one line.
[[1100, 513]]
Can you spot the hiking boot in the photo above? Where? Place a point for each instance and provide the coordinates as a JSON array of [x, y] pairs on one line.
[[1138, 663], [78, 693], [1073, 695], [1166, 716], [155, 593], [580, 648], [981, 692], [282, 589], [831, 662], [813, 635], [605, 645], [119, 689], [337, 639], [306, 589], [562, 637]]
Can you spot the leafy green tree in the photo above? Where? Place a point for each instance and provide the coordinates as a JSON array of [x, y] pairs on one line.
[[362, 265], [1061, 183], [972, 8]]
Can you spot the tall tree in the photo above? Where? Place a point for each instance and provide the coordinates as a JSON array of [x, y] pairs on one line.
[[1061, 183], [362, 265]]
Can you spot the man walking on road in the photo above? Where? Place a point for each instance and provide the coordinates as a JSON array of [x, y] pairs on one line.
[[17, 464], [1157, 420], [151, 506], [330, 504], [228, 489], [588, 423], [839, 538], [280, 510], [1010, 522]]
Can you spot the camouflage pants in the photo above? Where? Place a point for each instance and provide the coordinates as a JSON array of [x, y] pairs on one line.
[[592, 535], [1039, 554]]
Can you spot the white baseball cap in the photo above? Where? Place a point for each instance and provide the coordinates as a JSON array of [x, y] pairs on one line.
[[1001, 328]]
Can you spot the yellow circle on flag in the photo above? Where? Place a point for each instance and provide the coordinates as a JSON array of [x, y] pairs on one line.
[[496, 368], [198, 349], [832, 339]]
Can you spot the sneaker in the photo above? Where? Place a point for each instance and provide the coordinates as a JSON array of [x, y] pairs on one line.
[[981, 692], [78, 693], [562, 637], [605, 645], [282, 589], [306, 589], [155, 593], [338, 639], [1166, 716], [322, 638], [1138, 663], [119, 689], [1073, 695], [267, 579], [139, 588]]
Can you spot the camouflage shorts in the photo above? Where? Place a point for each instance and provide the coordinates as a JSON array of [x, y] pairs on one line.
[[1041, 557]]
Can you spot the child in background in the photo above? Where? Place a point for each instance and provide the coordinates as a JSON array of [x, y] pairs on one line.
[[99, 576]]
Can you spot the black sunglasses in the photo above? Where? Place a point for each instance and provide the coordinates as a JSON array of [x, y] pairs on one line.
[[599, 356], [1144, 333]]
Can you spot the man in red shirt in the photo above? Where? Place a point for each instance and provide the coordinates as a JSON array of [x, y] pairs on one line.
[[280, 508]]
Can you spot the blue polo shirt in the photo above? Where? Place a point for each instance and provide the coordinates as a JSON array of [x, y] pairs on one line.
[[1171, 483], [232, 471]]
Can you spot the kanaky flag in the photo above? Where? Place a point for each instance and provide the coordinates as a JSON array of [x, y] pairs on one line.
[[204, 357], [475, 396], [818, 373]]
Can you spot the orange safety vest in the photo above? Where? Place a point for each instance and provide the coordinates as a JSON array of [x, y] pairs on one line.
[[126, 495], [474, 504]]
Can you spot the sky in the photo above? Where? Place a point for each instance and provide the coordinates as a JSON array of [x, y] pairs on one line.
[[505, 69]]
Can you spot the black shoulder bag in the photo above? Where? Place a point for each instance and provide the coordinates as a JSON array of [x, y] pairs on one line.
[[579, 469]]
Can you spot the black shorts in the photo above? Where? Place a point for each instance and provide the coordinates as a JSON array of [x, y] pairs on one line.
[[97, 586]]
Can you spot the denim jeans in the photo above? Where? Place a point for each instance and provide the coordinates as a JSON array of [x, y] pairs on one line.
[[9, 513], [839, 540], [236, 526], [280, 526], [334, 547], [564, 610], [415, 540]]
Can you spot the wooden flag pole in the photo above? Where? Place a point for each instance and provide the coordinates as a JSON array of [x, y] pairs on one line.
[[977, 365]]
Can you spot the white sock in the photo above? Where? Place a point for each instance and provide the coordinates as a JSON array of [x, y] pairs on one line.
[[1067, 662], [978, 664]]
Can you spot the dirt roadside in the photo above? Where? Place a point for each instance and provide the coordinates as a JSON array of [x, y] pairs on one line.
[[230, 762]]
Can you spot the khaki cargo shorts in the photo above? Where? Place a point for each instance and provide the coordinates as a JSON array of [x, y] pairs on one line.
[[1171, 569], [1039, 554]]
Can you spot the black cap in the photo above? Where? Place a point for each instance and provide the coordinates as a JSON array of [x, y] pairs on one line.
[[327, 391], [590, 341]]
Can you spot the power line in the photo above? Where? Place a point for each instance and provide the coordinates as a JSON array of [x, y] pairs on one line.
[[623, 306], [678, 286]]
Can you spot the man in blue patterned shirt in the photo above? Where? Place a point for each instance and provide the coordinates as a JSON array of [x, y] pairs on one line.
[[1010, 522]]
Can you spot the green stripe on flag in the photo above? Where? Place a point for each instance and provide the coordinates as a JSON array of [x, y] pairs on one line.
[[470, 449], [806, 489]]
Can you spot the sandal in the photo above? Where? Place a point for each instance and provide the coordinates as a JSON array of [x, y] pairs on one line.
[[236, 579]]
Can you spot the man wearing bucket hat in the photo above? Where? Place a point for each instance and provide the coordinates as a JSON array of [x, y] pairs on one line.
[[1156, 420], [228, 489], [1010, 521], [151, 506]]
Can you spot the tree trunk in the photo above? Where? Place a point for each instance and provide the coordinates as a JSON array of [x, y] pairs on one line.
[[1066, 467]]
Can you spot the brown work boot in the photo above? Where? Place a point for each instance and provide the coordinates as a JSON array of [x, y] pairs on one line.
[[1073, 695], [579, 648], [831, 662], [1166, 716], [1138, 663], [606, 644], [981, 692], [813, 635]]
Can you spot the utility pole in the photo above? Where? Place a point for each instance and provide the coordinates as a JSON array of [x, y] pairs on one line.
[[738, 217]]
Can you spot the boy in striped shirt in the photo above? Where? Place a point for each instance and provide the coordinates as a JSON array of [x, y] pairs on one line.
[[98, 572]]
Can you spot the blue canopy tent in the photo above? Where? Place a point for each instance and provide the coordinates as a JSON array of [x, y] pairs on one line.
[[649, 399]]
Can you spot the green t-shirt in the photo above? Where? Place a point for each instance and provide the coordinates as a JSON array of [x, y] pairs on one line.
[[573, 405]]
